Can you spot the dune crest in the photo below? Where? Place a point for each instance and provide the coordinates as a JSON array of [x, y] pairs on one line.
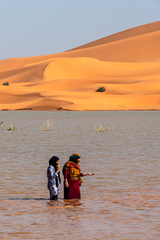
[[127, 64]]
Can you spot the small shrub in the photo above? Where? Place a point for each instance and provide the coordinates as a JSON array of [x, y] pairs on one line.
[[6, 83], [48, 126], [101, 89], [2, 126], [102, 128], [11, 128]]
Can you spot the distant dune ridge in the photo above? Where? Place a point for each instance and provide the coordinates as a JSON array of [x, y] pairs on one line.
[[127, 64]]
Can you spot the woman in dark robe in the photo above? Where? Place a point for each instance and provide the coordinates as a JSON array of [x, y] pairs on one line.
[[54, 180], [72, 177]]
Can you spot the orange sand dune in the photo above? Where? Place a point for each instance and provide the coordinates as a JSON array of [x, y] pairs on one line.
[[127, 64], [149, 28]]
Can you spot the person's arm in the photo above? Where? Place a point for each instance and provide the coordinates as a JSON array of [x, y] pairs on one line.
[[52, 172], [85, 174], [59, 173], [58, 169], [65, 178]]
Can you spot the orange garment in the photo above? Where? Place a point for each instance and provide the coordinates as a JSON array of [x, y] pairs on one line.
[[74, 171]]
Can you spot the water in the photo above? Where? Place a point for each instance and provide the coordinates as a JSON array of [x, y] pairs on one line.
[[122, 199]]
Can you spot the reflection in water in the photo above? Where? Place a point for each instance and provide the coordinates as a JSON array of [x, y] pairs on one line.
[[122, 201]]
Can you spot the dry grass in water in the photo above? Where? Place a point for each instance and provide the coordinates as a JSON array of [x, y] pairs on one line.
[[48, 126], [2, 126], [11, 128], [102, 128]]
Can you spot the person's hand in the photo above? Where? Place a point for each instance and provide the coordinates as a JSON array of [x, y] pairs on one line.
[[66, 184], [90, 174], [58, 169]]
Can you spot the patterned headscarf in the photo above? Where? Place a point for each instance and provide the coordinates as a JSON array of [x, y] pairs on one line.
[[74, 157]]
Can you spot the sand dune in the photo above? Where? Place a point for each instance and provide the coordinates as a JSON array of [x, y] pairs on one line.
[[149, 28], [127, 64]]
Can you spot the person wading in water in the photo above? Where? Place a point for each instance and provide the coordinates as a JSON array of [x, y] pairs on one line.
[[72, 177], [54, 180]]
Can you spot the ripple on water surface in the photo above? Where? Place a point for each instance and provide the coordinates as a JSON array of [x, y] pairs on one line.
[[121, 201]]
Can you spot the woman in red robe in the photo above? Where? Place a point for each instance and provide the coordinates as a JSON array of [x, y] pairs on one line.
[[72, 177]]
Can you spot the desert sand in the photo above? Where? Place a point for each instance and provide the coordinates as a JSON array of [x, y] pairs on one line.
[[127, 64]]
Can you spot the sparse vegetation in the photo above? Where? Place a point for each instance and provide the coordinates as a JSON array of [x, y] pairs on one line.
[[2, 126], [11, 128], [101, 89], [102, 128], [48, 126], [6, 83]]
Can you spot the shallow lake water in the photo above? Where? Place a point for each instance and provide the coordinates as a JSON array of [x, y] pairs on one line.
[[122, 199]]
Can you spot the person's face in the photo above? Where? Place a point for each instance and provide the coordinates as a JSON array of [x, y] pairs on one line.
[[78, 160], [57, 162]]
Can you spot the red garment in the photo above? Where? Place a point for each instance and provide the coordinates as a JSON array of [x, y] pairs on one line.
[[74, 190]]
